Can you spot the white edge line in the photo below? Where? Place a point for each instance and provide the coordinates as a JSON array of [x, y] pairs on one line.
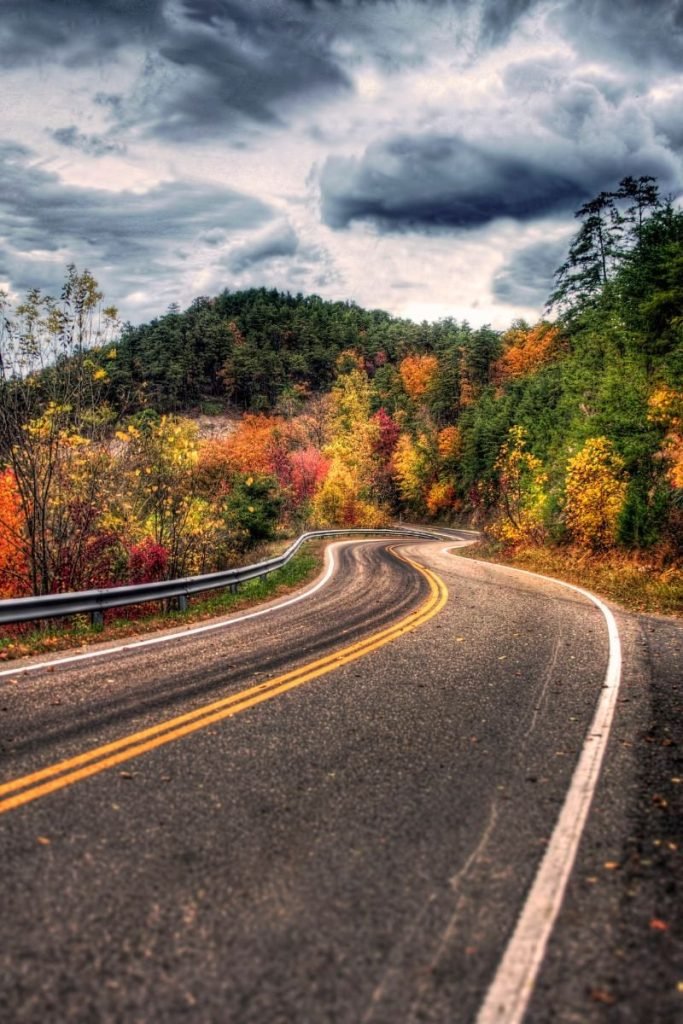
[[510, 992], [195, 630]]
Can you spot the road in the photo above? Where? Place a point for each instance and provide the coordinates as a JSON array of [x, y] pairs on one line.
[[335, 811]]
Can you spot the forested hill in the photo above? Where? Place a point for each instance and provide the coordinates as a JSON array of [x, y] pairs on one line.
[[568, 431], [250, 348]]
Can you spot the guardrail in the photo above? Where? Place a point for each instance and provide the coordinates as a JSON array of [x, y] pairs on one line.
[[96, 602]]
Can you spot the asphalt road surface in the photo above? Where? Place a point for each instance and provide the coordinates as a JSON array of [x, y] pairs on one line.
[[335, 811]]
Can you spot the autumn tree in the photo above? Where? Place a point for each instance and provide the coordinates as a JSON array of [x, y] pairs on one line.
[[417, 373], [13, 576], [350, 489], [415, 466], [53, 370], [163, 496], [522, 493], [526, 349], [594, 494]]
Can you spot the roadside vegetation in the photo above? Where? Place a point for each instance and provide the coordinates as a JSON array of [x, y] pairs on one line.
[[562, 439], [57, 635]]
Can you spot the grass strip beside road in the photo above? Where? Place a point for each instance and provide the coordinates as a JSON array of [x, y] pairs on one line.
[[52, 778], [621, 577]]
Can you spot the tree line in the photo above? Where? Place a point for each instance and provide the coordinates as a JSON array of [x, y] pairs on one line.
[[569, 430]]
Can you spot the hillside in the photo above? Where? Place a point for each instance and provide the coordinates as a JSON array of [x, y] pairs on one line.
[[568, 431]]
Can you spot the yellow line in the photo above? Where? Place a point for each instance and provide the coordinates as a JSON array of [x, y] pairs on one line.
[[65, 773]]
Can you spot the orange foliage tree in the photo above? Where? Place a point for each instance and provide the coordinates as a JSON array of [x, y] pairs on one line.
[[525, 350], [440, 498], [13, 571], [417, 373]]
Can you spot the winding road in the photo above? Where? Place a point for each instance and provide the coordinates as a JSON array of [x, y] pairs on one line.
[[335, 808]]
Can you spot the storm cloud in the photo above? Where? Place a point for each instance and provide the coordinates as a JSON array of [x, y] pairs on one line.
[[422, 155], [438, 181]]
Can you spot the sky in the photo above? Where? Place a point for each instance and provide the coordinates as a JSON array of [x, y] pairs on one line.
[[420, 156]]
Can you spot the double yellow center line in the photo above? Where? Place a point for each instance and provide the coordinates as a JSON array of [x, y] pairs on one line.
[[65, 773]]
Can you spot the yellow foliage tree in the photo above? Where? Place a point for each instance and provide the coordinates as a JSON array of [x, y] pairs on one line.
[[522, 492], [339, 501], [440, 498], [348, 495], [414, 468], [595, 492], [665, 408], [161, 488]]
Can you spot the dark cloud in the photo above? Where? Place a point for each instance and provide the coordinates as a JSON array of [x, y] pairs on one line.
[[75, 31], [239, 69], [438, 181], [280, 240], [139, 235], [526, 278], [92, 145], [218, 62], [636, 34]]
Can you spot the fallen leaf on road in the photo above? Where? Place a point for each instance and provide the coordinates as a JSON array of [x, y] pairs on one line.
[[126, 775], [658, 925], [43, 840], [612, 865], [601, 995]]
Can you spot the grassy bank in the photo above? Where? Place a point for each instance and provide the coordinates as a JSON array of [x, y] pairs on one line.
[[19, 642], [633, 581]]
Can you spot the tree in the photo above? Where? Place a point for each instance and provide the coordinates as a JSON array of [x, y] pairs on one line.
[[417, 373], [13, 576], [525, 350], [251, 509], [53, 372], [594, 494], [603, 240], [522, 494], [162, 494], [592, 254]]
